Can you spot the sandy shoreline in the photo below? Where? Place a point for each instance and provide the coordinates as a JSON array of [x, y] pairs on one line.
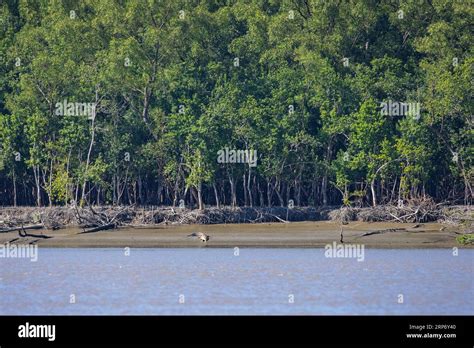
[[279, 235]]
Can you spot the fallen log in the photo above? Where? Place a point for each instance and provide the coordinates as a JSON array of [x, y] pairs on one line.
[[22, 228], [279, 219], [100, 228], [383, 231], [25, 234]]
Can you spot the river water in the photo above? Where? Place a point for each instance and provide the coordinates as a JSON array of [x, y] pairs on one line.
[[192, 281]]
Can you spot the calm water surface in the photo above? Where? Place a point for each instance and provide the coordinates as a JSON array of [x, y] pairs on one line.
[[258, 281]]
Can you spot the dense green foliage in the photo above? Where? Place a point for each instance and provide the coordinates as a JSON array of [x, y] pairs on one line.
[[465, 239], [302, 82]]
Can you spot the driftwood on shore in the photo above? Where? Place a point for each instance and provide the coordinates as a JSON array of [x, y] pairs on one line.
[[415, 212], [100, 228], [22, 233], [92, 219], [383, 231], [21, 228]]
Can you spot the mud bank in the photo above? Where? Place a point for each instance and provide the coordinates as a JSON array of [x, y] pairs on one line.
[[276, 235]]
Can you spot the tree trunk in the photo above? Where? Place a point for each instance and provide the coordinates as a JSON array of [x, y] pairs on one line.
[[269, 194], [249, 188], [244, 186], [277, 191], [14, 187], [372, 190], [233, 193], [260, 194], [37, 183], [298, 191], [216, 194], [90, 147], [324, 185], [140, 192], [199, 194]]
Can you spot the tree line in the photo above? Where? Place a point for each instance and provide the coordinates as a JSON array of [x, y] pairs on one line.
[[130, 102]]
